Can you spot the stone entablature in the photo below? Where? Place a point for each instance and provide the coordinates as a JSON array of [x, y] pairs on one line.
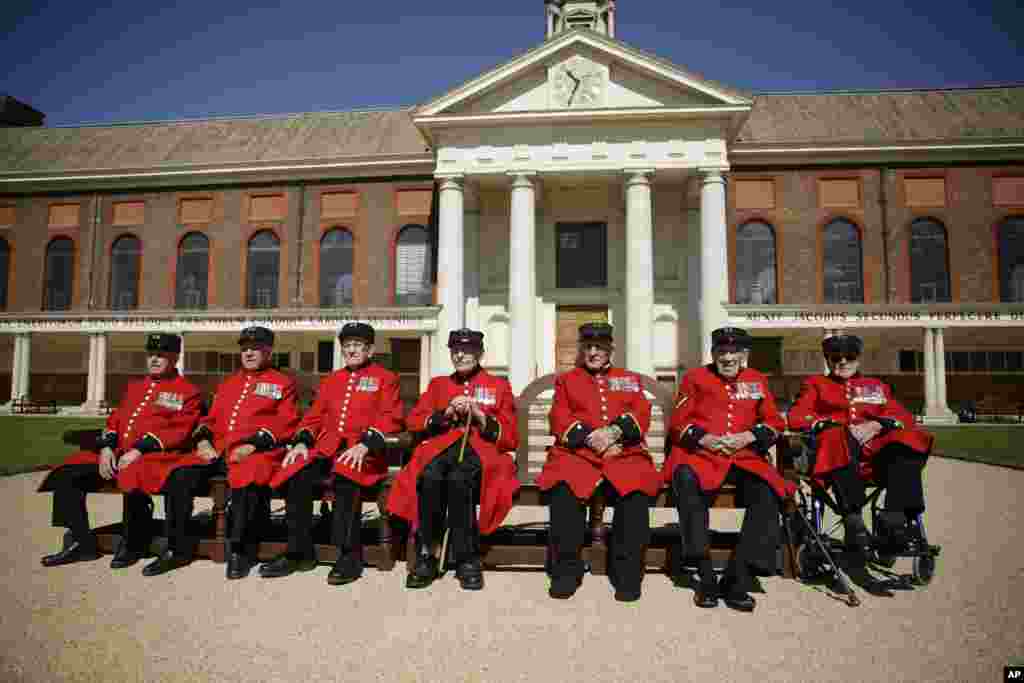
[[418, 319], [848, 316]]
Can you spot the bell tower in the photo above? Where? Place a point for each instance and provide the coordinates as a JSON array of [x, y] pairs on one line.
[[566, 15]]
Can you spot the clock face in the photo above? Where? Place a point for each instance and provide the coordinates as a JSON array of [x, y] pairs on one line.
[[577, 82]]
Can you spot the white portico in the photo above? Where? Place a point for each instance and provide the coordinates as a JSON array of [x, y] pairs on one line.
[[582, 150]]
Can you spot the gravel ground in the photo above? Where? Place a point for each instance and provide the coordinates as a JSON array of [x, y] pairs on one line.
[[86, 622]]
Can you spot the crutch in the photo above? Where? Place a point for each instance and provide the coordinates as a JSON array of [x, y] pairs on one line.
[[844, 583]]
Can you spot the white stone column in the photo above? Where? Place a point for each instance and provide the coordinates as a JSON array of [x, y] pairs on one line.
[[714, 275], [339, 359], [25, 366], [101, 367], [940, 372], [451, 241], [522, 281], [19, 361], [424, 362], [90, 382], [639, 273], [181, 356], [930, 401]]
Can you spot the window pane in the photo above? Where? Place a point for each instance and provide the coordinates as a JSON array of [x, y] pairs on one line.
[[193, 271], [979, 361], [413, 266], [582, 255], [5, 271], [843, 274], [929, 275], [1014, 361], [325, 356], [264, 270], [1011, 259], [60, 256], [755, 264], [124, 273], [336, 268], [997, 361], [907, 359], [960, 363]]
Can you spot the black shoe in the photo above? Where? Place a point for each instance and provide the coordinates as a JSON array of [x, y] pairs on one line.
[[283, 565], [125, 556], [423, 573], [706, 594], [470, 574], [167, 561], [564, 587], [734, 596], [239, 565], [622, 595], [855, 534], [347, 569], [74, 552]]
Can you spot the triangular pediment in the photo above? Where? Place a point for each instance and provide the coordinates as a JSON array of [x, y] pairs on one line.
[[583, 70]]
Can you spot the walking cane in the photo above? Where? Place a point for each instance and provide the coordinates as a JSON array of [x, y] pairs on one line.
[[447, 529]]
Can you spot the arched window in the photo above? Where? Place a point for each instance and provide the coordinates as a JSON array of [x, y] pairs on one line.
[[1011, 260], [929, 270], [5, 271], [124, 273], [843, 267], [413, 267], [755, 264], [264, 266], [193, 271], [60, 262], [336, 268]]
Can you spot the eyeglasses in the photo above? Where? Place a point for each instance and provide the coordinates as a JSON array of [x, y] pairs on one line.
[[840, 357]]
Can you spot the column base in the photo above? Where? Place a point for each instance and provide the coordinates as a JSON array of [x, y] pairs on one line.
[[945, 418], [87, 408]]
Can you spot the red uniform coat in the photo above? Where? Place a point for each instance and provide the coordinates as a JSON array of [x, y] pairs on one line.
[[165, 409], [348, 404], [595, 401], [723, 406], [848, 402], [498, 480], [245, 403]]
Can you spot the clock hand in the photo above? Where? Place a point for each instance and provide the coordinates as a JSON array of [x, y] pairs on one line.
[[575, 87]]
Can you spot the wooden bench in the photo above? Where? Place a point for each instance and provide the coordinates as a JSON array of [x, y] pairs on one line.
[[26, 406], [526, 545], [381, 547]]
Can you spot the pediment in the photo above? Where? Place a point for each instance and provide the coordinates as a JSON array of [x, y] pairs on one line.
[[583, 70]]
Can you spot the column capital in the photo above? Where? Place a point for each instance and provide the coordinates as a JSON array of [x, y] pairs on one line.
[[638, 176], [522, 178], [712, 175], [451, 181]]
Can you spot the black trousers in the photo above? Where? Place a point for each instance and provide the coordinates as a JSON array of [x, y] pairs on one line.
[[896, 467], [347, 521], [299, 507], [759, 534], [71, 484], [446, 480], [631, 532], [249, 516], [180, 491]]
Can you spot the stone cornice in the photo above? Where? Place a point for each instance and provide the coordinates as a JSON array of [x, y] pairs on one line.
[[389, 319]]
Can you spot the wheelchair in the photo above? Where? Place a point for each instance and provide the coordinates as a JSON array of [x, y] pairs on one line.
[[818, 541]]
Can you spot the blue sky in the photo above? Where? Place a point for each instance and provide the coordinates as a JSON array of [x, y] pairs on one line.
[[125, 61]]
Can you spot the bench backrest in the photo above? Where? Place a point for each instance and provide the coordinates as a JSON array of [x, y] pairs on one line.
[[534, 404]]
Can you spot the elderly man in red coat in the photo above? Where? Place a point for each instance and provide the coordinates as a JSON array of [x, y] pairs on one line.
[[447, 466], [153, 421], [599, 417], [724, 422], [253, 416], [343, 432], [864, 434]]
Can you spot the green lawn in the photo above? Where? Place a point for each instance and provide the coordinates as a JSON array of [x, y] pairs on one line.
[[35, 442]]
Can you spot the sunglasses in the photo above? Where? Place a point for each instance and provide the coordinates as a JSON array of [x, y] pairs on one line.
[[839, 357]]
